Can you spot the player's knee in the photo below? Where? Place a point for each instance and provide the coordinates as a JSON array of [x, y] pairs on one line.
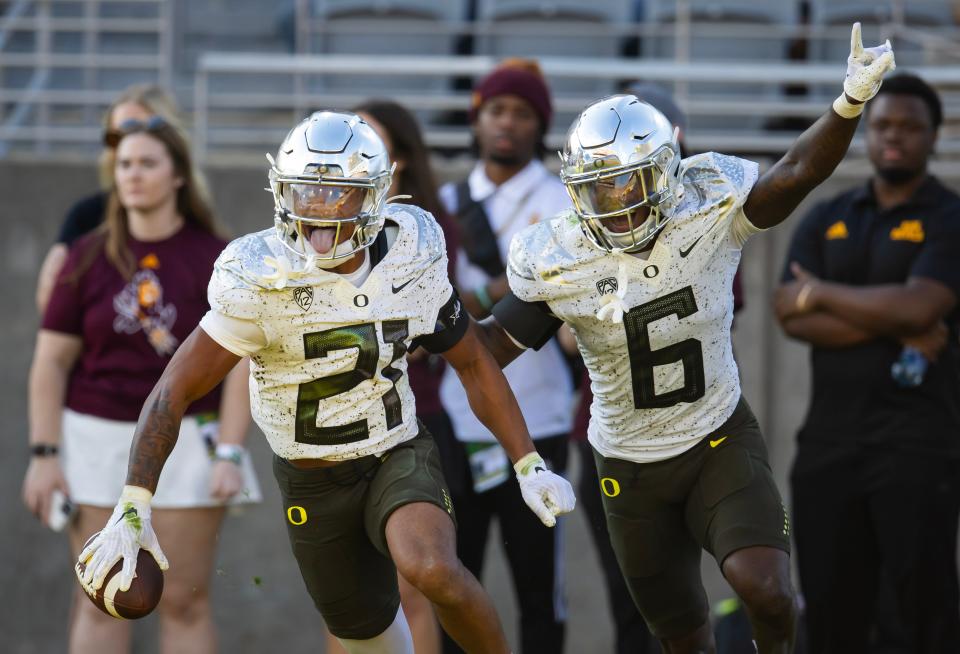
[[184, 605], [435, 576], [769, 598]]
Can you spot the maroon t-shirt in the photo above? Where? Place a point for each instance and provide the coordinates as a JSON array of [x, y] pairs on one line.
[[426, 372], [131, 328]]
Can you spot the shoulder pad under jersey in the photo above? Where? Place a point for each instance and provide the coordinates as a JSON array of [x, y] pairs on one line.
[[419, 234], [713, 179], [238, 275], [545, 258]]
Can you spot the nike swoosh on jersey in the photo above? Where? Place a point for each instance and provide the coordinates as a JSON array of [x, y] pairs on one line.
[[397, 289], [717, 442], [684, 253]]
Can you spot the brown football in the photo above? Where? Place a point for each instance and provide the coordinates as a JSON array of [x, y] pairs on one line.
[[142, 597]]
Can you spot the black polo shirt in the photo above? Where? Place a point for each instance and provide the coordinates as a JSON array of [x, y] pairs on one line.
[[849, 240]]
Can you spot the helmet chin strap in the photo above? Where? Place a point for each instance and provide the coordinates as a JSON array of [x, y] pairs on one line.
[[323, 260]]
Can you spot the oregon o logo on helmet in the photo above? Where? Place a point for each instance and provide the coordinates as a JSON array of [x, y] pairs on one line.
[[297, 515], [610, 486]]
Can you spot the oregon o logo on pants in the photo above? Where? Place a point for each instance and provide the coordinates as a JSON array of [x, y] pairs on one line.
[[299, 512], [610, 486]]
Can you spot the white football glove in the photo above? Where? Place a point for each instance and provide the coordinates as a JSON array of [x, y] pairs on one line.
[[866, 67], [127, 531], [547, 494]]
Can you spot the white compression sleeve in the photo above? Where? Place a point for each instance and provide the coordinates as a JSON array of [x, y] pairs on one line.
[[395, 639]]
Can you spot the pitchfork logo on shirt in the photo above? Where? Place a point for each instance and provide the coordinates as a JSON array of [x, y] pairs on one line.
[[140, 306]]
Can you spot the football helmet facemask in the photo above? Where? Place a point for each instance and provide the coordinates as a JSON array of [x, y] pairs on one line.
[[620, 160], [331, 174]]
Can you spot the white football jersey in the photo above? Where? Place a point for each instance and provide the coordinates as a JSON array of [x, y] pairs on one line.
[[665, 377], [331, 380]]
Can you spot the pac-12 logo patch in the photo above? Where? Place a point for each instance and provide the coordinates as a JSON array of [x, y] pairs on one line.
[[303, 296], [607, 285]]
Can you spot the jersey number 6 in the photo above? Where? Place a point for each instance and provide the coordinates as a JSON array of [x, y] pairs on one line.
[[682, 304], [363, 338]]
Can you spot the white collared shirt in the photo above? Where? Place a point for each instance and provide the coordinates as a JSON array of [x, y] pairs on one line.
[[540, 379]]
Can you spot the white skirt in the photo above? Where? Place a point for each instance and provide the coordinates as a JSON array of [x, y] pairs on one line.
[[94, 455]]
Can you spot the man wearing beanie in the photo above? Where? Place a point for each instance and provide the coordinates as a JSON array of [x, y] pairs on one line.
[[508, 189]]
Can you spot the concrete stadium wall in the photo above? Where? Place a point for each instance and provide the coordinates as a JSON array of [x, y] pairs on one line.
[[259, 599]]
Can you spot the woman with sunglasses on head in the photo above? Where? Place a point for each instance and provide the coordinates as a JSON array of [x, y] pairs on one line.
[[127, 294], [138, 102]]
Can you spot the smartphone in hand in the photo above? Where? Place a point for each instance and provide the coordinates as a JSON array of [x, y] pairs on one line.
[[62, 511]]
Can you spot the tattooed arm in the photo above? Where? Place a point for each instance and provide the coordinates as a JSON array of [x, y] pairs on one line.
[[809, 161], [198, 365]]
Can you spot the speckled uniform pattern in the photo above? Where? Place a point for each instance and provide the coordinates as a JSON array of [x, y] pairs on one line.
[[335, 352], [679, 302]]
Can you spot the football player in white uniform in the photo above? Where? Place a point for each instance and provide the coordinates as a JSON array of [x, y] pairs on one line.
[[326, 305], [641, 271]]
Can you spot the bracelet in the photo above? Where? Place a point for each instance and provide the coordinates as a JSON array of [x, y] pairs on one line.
[[228, 452], [483, 297], [803, 296], [44, 450], [847, 109]]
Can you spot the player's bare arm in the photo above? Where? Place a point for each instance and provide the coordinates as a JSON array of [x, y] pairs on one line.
[[495, 338], [195, 369], [815, 154], [548, 495], [490, 396]]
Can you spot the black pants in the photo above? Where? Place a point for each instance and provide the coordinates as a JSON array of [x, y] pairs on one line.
[[876, 546], [533, 551], [632, 635]]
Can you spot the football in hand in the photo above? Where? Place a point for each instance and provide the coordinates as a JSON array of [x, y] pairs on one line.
[[142, 597]]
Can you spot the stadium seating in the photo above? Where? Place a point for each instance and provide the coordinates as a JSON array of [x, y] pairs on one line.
[[382, 27], [540, 28], [724, 31]]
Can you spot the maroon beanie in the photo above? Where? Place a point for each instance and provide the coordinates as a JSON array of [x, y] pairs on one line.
[[519, 77]]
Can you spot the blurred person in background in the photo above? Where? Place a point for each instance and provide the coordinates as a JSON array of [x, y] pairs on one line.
[[413, 176], [126, 296], [138, 102], [871, 282], [508, 189]]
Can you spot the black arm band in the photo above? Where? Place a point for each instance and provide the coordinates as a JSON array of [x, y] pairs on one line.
[[529, 323], [452, 322]]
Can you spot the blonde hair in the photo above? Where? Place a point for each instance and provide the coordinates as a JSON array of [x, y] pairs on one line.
[[112, 235], [157, 102]]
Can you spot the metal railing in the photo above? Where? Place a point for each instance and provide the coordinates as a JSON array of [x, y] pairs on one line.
[[52, 81], [212, 135]]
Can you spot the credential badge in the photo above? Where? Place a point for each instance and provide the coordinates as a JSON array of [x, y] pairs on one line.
[[303, 296], [607, 285]]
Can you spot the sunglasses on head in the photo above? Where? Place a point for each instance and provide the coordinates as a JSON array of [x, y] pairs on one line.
[[112, 137]]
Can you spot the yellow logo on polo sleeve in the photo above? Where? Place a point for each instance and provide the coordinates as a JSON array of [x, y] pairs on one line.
[[908, 230], [837, 230]]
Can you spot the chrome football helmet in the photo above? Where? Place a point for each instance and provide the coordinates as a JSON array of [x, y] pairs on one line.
[[332, 172], [621, 155]]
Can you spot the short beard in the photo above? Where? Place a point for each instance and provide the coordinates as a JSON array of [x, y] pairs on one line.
[[508, 160], [898, 176]]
